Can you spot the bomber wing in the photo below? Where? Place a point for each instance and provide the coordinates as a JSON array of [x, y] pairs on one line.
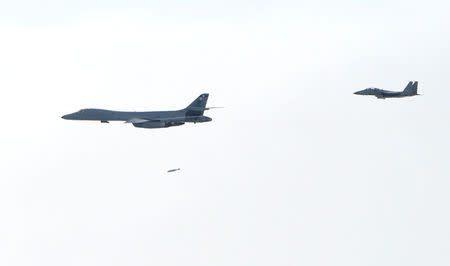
[[157, 122]]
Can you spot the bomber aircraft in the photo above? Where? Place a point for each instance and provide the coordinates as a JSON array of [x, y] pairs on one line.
[[410, 90], [157, 119]]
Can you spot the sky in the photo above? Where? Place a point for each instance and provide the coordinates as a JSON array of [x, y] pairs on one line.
[[295, 170]]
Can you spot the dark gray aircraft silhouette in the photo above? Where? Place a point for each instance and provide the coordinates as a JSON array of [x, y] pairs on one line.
[[192, 114], [410, 90]]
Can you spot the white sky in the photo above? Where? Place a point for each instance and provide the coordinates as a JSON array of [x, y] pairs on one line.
[[294, 171]]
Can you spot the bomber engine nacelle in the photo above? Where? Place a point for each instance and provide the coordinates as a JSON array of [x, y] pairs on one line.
[[174, 123], [198, 119], [158, 124], [150, 124], [203, 119]]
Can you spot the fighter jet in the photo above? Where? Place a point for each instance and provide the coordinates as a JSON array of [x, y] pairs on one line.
[[158, 119], [410, 90], [173, 170]]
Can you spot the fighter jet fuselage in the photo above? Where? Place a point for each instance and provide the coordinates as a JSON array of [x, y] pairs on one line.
[[156, 119], [410, 90]]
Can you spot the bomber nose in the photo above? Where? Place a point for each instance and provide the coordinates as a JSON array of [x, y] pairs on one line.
[[358, 93]]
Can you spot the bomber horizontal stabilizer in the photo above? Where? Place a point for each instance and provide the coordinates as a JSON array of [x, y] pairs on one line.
[[203, 108]]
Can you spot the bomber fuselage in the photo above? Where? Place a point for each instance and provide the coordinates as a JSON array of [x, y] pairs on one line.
[[155, 119]]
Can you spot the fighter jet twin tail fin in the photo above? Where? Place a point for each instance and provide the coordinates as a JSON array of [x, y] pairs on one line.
[[411, 88]]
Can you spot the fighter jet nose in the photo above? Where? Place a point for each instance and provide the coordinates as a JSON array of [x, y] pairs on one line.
[[64, 117]]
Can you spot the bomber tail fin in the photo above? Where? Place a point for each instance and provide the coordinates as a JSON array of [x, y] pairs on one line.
[[197, 107], [411, 88]]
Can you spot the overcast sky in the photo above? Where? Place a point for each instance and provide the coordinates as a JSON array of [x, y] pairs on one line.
[[296, 170]]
